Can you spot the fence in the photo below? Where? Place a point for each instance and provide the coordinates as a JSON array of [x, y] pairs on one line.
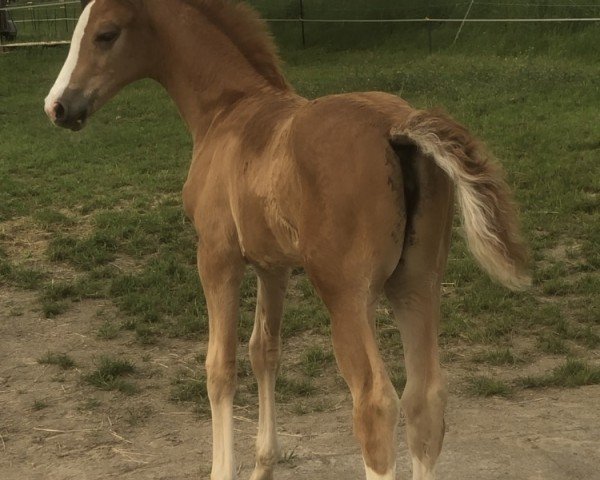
[[47, 23]]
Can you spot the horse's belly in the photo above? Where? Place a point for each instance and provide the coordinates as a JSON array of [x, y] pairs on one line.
[[268, 240]]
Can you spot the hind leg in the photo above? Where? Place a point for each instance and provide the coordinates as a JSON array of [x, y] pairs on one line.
[[424, 396], [265, 352], [414, 291], [375, 402]]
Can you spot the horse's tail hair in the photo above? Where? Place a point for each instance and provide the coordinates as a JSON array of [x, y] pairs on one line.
[[489, 214]]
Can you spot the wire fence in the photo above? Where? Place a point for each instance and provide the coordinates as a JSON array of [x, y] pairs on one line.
[[51, 22], [46, 23]]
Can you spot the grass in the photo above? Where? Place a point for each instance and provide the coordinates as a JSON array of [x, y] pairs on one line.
[[315, 360], [19, 276], [288, 457], [308, 315], [56, 297], [572, 373], [188, 388], [105, 205], [39, 405], [109, 374], [503, 356], [397, 376], [61, 360], [52, 219], [136, 415], [53, 309], [108, 330], [287, 388], [553, 344], [488, 387]]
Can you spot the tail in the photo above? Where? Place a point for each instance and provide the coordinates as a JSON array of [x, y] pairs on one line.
[[488, 212]]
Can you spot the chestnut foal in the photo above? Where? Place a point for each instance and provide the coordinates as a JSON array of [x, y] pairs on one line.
[[358, 189]]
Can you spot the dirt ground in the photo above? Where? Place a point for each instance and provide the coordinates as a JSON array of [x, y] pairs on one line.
[[79, 432]]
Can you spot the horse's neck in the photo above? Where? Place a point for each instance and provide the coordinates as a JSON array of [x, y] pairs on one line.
[[201, 69]]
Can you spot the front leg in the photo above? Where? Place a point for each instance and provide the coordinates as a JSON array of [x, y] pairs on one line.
[[221, 273]]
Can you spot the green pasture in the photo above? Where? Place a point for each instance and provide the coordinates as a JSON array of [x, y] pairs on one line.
[[97, 214]]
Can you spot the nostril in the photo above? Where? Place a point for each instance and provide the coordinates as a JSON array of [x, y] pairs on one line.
[[59, 111]]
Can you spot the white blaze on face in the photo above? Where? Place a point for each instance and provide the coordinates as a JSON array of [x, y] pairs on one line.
[[64, 77]]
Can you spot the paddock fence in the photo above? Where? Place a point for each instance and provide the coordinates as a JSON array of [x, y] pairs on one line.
[[37, 23], [45, 23]]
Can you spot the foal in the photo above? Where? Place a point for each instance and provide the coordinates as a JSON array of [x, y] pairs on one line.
[[357, 189]]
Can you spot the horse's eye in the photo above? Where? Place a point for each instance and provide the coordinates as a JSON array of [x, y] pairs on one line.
[[107, 37]]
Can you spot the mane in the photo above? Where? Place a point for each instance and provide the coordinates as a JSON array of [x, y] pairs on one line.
[[249, 33]]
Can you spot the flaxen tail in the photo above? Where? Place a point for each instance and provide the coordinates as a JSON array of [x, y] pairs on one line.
[[488, 212]]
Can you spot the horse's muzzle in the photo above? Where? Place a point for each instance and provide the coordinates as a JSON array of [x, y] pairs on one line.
[[70, 110]]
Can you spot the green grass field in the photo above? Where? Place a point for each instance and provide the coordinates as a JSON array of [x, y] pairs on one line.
[[97, 215]]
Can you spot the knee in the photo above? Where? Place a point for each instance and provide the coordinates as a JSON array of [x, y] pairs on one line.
[[417, 401], [425, 426], [267, 457], [265, 352], [376, 411], [221, 376], [413, 291], [375, 420]]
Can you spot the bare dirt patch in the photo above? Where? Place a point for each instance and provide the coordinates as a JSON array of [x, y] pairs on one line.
[[24, 241], [53, 426]]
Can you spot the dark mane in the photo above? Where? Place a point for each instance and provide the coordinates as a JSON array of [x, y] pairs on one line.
[[249, 33]]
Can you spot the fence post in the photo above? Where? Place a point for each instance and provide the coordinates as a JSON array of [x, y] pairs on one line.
[[3, 20], [429, 26], [34, 20], [302, 23], [463, 22], [66, 19]]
